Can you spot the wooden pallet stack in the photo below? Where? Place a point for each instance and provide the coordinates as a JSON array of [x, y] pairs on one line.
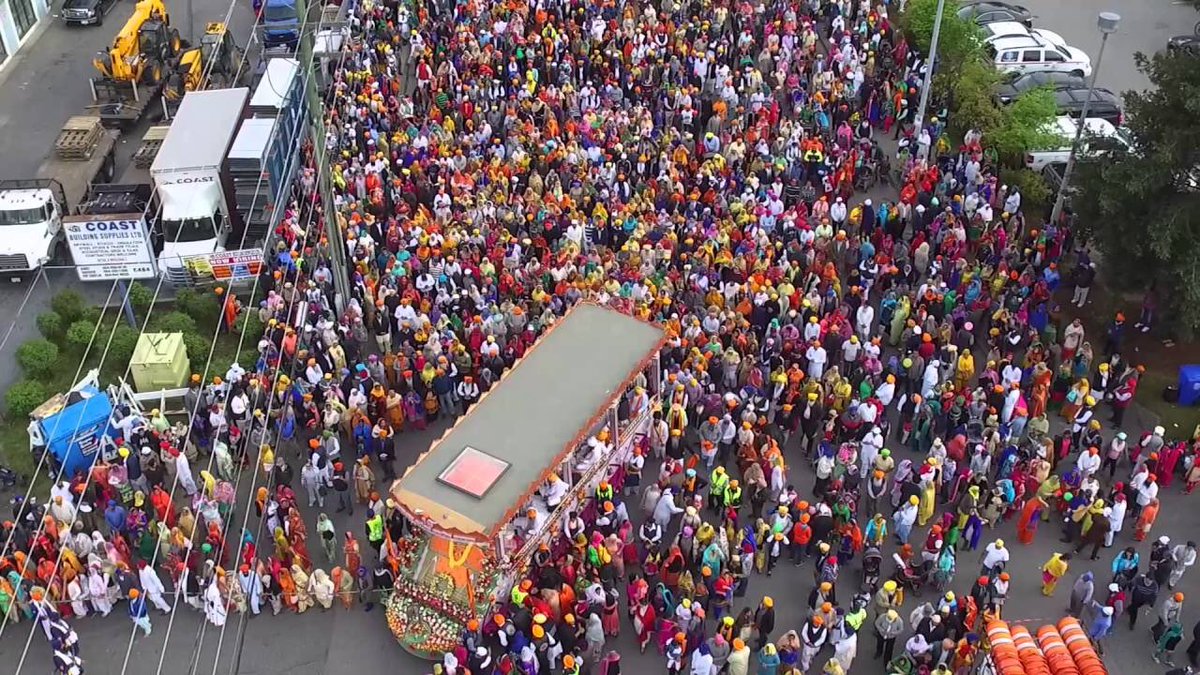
[[78, 138], [151, 143]]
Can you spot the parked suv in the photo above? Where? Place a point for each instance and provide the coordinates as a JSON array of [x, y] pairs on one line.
[[1105, 104], [1018, 84], [1013, 48]]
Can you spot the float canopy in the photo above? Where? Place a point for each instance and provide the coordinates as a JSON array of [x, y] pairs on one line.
[[473, 480]]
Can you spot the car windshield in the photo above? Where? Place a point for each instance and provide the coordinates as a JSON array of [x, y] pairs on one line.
[[24, 216], [279, 13], [189, 229]]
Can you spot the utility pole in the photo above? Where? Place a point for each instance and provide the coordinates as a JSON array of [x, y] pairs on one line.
[[929, 60], [1107, 22], [316, 119]]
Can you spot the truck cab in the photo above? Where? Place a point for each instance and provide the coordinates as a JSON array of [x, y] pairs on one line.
[[192, 181], [192, 222], [31, 233]]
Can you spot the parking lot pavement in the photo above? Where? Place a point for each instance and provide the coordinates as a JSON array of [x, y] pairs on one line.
[[1145, 27]]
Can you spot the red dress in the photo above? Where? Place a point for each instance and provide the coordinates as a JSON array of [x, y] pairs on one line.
[[643, 623], [610, 618], [1031, 517]]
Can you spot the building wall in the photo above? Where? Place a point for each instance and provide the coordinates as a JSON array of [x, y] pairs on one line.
[[18, 18]]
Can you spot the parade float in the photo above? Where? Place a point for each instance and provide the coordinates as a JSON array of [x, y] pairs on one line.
[[497, 484], [1053, 649]]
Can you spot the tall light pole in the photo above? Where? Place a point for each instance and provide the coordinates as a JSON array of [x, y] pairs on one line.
[[1107, 23], [928, 83]]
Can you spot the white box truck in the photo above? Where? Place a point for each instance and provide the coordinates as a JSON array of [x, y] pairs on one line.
[[191, 178]]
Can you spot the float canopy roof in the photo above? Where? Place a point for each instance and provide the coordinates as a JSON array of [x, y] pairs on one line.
[[484, 468]]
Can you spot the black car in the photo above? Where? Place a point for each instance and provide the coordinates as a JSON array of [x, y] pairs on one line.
[[1025, 82], [990, 11], [1105, 104], [1188, 44], [84, 12]]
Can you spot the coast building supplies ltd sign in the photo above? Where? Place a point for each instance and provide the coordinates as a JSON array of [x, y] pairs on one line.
[[110, 247], [223, 266]]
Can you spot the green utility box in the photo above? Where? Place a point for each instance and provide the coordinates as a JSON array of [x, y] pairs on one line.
[[160, 361]]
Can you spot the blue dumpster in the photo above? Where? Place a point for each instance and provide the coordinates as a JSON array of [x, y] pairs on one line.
[[1189, 385]]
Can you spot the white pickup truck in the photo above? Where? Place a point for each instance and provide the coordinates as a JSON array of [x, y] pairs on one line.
[[1065, 127]]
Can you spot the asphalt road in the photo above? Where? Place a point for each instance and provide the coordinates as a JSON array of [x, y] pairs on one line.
[[44, 84], [47, 83], [356, 641]]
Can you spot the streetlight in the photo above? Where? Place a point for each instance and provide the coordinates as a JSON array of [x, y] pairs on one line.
[[1107, 22]]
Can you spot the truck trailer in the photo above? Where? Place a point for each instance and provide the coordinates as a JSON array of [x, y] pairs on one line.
[[192, 181]]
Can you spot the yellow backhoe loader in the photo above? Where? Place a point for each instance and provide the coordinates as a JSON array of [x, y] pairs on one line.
[[134, 68], [214, 63], [144, 47]]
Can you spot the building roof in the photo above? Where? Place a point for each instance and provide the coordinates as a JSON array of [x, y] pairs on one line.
[[531, 419]]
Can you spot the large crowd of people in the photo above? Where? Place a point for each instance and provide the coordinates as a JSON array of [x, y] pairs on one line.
[[848, 385]]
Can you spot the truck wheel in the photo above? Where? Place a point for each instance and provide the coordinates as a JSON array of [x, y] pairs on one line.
[[60, 254]]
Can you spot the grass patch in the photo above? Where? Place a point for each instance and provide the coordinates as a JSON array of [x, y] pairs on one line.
[[202, 308], [1179, 421]]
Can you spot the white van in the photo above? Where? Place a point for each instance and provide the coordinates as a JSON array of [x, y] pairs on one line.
[[1065, 127]]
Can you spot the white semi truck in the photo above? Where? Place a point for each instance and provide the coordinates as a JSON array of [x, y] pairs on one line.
[[191, 179], [31, 210]]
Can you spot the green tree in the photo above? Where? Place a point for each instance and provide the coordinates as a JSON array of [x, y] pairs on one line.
[[1141, 207], [23, 397], [973, 103], [79, 334], [51, 325], [141, 297], [198, 348], [1035, 194], [1009, 131], [959, 42], [38, 357], [175, 322], [1024, 126], [249, 323], [68, 303], [123, 343]]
